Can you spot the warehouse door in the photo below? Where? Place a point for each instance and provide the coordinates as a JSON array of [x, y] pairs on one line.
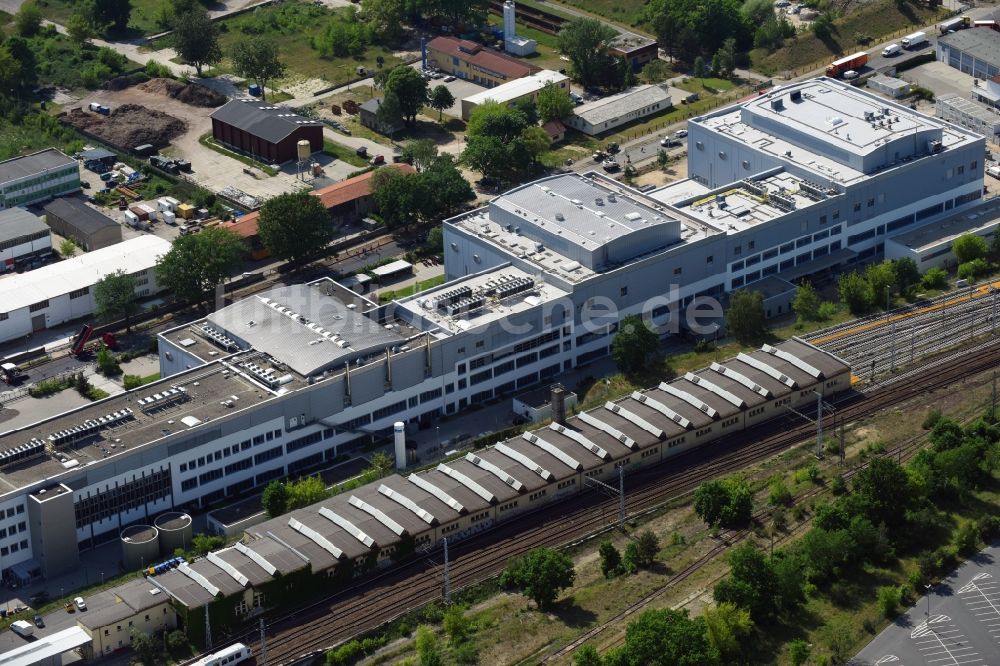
[[38, 323]]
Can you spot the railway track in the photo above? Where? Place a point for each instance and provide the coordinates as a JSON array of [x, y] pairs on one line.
[[373, 602]]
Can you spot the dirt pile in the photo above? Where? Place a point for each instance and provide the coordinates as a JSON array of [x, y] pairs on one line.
[[128, 126], [191, 93]]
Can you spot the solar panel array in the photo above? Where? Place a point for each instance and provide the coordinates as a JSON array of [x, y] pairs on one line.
[[22, 452], [168, 397], [219, 338]]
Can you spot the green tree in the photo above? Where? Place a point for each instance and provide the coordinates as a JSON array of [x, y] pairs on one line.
[[611, 559], [455, 624], [587, 656], [727, 57], [666, 637], [698, 68], [585, 42], [535, 141], [428, 653], [202, 544], [107, 364], [553, 103], [630, 560], [739, 509], [410, 88], [421, 153], [648, 548], [449, 187], [779, 494], [28, 19], [178, 644], [889, 598], [295, 226], [806, 303], [745, 318], [973, 270], [752, 583], [10, 75], [196, 38], [441, 99], [798, 652], [398, 196], [389, 113], [935, 278], [197, 263], [275, 499], [435, 240], [386, 18], [882, 278], [969, 247], [146, 646], [67, 247], [879, 489], [107, 14], [306, 491], [78, 28], [907, 275], [495, 141], [655, 71], [710, 500], [855, 292], [635, 346], [114, 297], [382, 463], [540, 575], [726, 627], [257, 59]]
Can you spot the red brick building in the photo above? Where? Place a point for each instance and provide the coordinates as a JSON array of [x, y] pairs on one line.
[[269, 133]]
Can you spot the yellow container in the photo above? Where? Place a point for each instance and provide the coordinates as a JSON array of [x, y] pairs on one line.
[[186, 211]]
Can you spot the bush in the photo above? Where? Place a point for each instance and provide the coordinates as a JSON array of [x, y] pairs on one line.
[[50, 386], [967, 539], [935, 278], [779, 494], [107, 364], [838, 486], [973, 270], [157, 70], [889, 598], [931, 420], [826, 311], [131, 382], [989, 527]]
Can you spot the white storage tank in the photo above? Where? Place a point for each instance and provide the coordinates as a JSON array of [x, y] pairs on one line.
[[304, 150], [169, 217]]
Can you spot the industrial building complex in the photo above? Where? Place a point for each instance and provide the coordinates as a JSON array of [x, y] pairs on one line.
[[812, 176], [23, 237]]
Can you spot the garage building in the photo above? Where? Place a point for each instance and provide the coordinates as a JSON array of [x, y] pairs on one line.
[[269, 133], [975, 51], [63, 291], [23, 237], [90, 229]]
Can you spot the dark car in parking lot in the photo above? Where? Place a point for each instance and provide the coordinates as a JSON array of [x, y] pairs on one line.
[[39, 622]]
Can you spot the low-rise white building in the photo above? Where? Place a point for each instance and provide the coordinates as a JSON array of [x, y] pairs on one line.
[[606, 114], [526, 87], [62, 291], [23, 236], [889, 85], [37, 177], [978, 118]]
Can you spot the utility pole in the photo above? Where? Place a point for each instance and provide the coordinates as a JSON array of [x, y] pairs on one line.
[[208, 631], [842, 452], [447, 579], [263, 644], [993, 404], [892, 348], [819, 425], [993, 316], [621, 497]]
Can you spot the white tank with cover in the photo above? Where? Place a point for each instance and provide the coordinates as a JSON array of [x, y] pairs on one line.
[[175, 532], [140, 546], [304, 150], [399, 436]]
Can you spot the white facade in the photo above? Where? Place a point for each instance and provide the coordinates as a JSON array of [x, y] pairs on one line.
[[606, 114], [61, 292], [523, 88], [978, 118], [37, 177]]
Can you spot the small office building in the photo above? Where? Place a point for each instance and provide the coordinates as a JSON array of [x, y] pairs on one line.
[[87, 227], [23, 237], [606, 114], [978, 118], [474, 62], [37, 177]]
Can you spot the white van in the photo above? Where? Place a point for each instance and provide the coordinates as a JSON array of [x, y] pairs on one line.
[[23, 628], [892, 50], [994, 171]]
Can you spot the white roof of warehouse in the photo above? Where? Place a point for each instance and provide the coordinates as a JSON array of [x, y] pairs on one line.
[[46, 647], [133, 255], [517, 88], [615, 106]]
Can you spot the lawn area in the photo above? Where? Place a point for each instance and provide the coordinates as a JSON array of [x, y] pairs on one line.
[[708, 84], [423, 285], [141, 21], [628, 12], [880, 20], [343, 153]]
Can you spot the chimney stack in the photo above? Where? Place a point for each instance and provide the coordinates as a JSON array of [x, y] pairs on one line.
[[558, 404]]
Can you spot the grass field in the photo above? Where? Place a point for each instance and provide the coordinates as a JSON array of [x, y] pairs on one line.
[[628, 12], [881, 19], [386, 296], [142, 20]]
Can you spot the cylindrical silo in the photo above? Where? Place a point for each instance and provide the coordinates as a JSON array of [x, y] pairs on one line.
[[399, 435], [304, 150], [175, 532], [140, 547]]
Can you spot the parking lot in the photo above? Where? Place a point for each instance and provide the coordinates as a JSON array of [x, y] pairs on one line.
[[940, 78], [957, 623]]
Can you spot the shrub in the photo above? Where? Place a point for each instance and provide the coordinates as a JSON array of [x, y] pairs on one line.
[[826, 311], [779, 494], [131, 382], [107, 364], [935, 278], [889, 598], [967, 539], [973, 270], [931, 420], [157, 70], [838, 486], [989, 527]]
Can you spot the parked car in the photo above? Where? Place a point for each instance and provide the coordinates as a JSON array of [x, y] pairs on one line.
[[80, 603], [851, 74], [680, 134], [599, 156], [39, 622], [22, 628], [449, 78], [378, 159]]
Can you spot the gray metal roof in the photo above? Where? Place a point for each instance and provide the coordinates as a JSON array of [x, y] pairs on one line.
[[271, 123], [97, 154], [297, 335], [79, 215], [17, 222], [981, 43], [615, 106], [29, 165]]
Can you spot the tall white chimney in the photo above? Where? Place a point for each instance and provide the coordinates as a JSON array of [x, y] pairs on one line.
[[509, 31], [399, 436]]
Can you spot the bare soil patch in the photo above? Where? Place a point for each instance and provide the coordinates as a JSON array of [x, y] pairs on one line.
[[128, 126], [190, 93]]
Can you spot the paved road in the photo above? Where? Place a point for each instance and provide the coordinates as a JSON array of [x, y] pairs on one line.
[[962, 626]]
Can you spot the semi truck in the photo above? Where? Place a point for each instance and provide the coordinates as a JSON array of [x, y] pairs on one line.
[[914, 40], [953, 24], [845, 64]]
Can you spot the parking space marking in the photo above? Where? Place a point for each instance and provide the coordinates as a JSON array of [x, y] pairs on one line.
[[983, 602], [941, 643], [887, 659]]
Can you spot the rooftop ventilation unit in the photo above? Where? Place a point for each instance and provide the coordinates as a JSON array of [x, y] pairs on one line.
[[266, 376], [560, 217], [157, 400], [781, 201], [514, 287], [88, 428], [22, 452], [812, 190], [795, 96], [219, 338], [599, 201], [452, 296], [611, 197], [777, 104], [465, 305], [753, 187]]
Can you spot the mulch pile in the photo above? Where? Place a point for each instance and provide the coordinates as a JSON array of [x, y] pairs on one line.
[[128, 126], [191, 93]]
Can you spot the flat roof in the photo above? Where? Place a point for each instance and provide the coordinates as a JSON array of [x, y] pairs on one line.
[[79, 215], [970, 108], [983, 43], [614, 106], [120, 602], [392, 268], [833, 129], [945, 231], [85, 270], [46, 648], [35, 163], [17, 222], [888, 82], [517, 88], [304, 327], [431, 307]]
